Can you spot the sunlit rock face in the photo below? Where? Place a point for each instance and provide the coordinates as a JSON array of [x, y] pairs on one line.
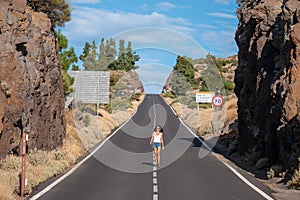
[[31, 91], [268, 79]]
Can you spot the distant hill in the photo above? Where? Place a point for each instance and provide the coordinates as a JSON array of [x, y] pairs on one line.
[[224, 66]]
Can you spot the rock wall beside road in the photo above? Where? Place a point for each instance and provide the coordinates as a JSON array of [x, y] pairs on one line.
[[268, 79], [31, 92]]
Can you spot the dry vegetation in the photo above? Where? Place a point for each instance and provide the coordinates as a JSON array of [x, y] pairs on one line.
[[41, 165], [203, 120]]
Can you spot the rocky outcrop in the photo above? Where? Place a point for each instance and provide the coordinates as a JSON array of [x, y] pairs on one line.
[[268, 79], [31, 92], [127, 82]]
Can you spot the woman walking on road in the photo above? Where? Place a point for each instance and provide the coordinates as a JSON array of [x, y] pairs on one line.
[[157, 142]]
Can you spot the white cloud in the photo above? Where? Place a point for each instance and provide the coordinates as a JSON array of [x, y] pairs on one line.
[[223, 1], [168, 5], [222, 15], [85, 1], [173, 34], [220, 42], [92, 23], [145, 6], [163, 39], [205, 26]]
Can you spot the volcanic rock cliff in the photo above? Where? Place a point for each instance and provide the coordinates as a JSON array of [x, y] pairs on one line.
[[31, 92], [268, 79]]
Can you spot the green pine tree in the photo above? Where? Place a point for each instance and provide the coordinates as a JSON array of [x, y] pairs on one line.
[[126, 59], [68, 58], [122, 49], [185, 67], [102, 61], [86, 51], [110, 50], [179, 84], [89, 62], [58, 11]]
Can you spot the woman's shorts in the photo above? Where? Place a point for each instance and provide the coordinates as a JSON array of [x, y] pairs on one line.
[[156, 145]]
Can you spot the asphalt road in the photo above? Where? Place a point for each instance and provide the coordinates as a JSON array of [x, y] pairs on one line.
[[122, 168]]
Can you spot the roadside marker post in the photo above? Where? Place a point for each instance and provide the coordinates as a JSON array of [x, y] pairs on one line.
[[23, 173]]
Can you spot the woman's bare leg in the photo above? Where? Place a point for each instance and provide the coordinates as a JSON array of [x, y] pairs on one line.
[[158, 156], [155, 154]]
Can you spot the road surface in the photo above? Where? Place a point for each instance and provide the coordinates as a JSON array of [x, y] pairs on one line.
[[122, 168]]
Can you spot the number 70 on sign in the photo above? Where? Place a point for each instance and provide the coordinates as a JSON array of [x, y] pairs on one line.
[[218, 101]]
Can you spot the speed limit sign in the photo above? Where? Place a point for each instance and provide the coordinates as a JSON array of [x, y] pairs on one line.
[[218, 101]]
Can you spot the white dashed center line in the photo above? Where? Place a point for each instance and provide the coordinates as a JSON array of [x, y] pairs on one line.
[[155, 181], [154, 174]]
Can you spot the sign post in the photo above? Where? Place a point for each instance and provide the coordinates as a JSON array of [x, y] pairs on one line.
[[203, 97], [217, 102]]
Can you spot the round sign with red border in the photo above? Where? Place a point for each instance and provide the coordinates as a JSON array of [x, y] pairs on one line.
[[218, 101]]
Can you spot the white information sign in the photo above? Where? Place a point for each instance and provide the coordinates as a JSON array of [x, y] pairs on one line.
[[91, 86], [204, 97]]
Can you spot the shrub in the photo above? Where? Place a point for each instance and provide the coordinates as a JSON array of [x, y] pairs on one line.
[[222, 69], [295, 180], [135, 97], [229, 86], [59, 155], [38, 158], [274, 171], [188, 101], [86, 120], [120, 87], [88, 108], [205, 105], [233, 147], [120, 104], [169, 94], [262, 163], [11, 163], [114, 80], [173, 102], [252, 157], [6, 186], [107, 107]]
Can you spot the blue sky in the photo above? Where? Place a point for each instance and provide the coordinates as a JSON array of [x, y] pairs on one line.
[[159, 30]]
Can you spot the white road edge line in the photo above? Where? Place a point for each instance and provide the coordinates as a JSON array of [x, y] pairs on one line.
[[259, 191], [52, 185], [248, 182]]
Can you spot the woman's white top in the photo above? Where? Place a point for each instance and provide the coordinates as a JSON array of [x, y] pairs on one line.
[[157, 138]]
